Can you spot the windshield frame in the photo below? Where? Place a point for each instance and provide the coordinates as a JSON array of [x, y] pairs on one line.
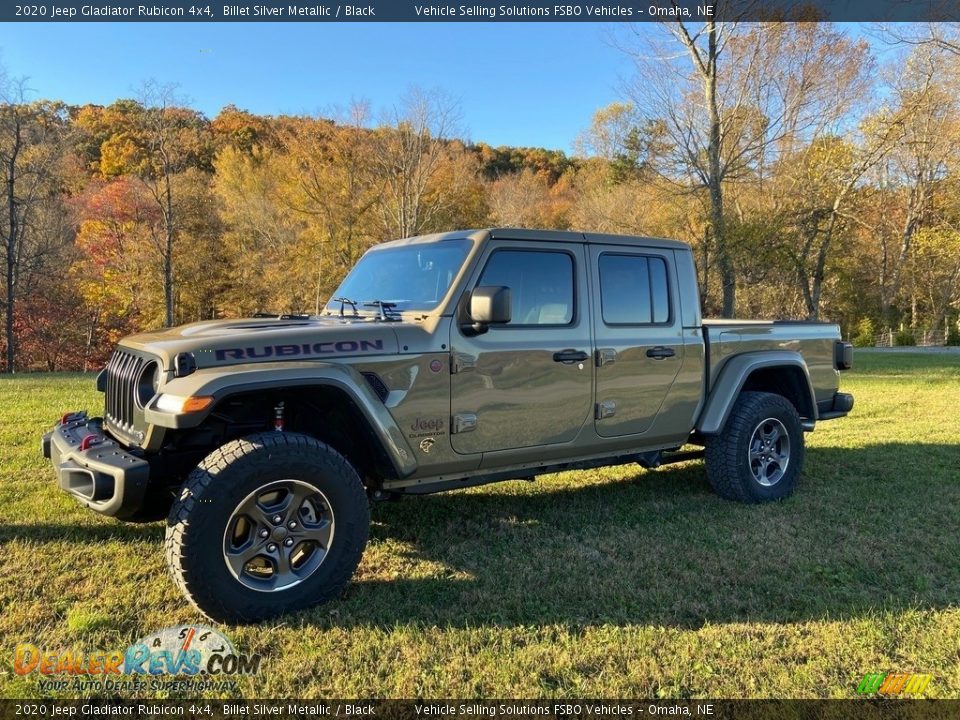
[[443, 305]]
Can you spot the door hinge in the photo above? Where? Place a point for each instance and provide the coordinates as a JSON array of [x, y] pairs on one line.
[[605, 356], [461, 361], [463, 422], [605, 409]]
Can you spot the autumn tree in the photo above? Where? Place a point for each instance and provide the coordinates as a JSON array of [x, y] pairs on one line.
[[261, 233], [331, 181], [925, 101], [157, 142], [116, 220]]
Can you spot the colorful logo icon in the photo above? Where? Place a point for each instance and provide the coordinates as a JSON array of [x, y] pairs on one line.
[[893, 684]]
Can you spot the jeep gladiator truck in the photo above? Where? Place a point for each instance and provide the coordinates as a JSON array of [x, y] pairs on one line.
[[441, 362]]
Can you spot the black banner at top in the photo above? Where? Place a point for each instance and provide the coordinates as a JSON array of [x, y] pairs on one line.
[[615, 11]]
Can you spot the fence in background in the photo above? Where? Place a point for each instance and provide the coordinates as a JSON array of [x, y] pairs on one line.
[[920, 338]]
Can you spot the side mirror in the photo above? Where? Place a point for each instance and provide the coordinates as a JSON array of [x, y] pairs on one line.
[[489, 306]]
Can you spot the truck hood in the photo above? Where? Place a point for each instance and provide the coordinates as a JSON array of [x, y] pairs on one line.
[[229, 342]]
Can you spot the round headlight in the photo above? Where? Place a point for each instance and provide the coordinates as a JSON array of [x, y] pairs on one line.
[[148, 383]]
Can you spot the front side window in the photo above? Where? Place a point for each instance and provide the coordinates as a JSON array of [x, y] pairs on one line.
[[634, 290], [414, 277], [541, 285]]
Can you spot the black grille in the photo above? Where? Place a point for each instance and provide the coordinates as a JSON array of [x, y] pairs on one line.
[[123, 370]]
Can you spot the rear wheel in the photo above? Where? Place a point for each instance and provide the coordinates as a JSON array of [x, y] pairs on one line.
[[266, 525], [759, 455]]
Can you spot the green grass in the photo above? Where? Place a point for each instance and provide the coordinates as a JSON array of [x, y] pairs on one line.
[[609, 583]]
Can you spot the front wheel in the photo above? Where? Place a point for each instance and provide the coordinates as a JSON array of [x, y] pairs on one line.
[[759, 454], [265, 525]]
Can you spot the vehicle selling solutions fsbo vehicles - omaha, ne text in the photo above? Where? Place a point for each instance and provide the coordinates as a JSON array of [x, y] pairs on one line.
[[441, 362]]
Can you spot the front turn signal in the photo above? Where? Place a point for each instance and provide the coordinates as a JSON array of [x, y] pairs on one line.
[[178, 404]]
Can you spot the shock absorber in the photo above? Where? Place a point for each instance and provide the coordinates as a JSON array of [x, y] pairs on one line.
[[278, 417]]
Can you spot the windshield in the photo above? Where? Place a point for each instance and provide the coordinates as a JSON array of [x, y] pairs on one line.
[[414, 277]]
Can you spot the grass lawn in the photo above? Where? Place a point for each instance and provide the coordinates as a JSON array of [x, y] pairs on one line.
[[611, 583]]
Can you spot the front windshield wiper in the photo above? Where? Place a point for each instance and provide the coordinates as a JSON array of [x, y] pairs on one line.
[[346, 301], [384, 307]]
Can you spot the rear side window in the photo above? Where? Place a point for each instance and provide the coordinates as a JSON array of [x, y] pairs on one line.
[[634, 290], [541, 285]]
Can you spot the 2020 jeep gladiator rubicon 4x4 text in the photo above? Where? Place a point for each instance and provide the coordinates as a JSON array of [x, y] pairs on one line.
[[441, 362]]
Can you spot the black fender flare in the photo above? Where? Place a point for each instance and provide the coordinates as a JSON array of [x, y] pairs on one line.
[[222, 382], [733, 376]]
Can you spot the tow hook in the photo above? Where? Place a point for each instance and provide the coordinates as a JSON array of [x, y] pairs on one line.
[[89, 441], [70, 417]]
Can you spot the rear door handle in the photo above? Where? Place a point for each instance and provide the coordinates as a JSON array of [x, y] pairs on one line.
[[659, 352], [570, 356]]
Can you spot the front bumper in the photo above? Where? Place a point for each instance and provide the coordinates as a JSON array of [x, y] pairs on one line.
[[94, 468]]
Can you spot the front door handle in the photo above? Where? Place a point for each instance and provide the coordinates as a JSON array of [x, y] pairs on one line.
[[660, 353], [570, 356]]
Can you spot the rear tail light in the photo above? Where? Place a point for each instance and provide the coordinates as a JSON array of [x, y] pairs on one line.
[[842, 355]]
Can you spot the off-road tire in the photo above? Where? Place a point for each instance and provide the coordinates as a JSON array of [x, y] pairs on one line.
[[728, 453], [199, 517]]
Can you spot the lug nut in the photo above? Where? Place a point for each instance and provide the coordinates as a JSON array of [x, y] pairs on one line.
[[277, 519], [292, 524], [264, 533], [271, 548], [288, 542]]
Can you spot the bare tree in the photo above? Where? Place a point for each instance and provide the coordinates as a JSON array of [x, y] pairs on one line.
[[733, 98], [158, 176], [939, 35], [30, 138], [410, 153]]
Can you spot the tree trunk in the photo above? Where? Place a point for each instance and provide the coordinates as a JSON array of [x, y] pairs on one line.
[[168, 255], [714, 185], [11, 249]]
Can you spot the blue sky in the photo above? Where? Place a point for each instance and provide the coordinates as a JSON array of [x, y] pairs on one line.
[[517, 83], [528, 84]]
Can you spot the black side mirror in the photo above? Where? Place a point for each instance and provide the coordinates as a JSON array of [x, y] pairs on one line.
[[489, 306]]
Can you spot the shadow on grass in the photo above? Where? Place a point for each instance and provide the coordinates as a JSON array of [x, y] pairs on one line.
[[869, 529], [82, 533]]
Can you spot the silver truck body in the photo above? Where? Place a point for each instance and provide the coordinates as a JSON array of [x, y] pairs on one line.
[[434, 404]]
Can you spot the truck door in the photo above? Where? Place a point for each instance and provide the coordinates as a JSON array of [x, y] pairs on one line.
[[529, 382], [639, 337]]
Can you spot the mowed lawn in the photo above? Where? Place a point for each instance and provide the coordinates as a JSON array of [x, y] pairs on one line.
[[612, 583]]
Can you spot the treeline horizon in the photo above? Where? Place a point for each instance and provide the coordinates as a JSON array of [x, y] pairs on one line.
[[811, 180]]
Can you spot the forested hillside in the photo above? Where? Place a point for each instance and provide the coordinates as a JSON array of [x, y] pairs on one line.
[[814, 179]]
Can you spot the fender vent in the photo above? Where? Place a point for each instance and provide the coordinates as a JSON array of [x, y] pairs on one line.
[[377, 385]]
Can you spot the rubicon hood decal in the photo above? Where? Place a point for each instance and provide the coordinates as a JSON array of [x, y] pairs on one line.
[[330, 347], [230, 342]]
